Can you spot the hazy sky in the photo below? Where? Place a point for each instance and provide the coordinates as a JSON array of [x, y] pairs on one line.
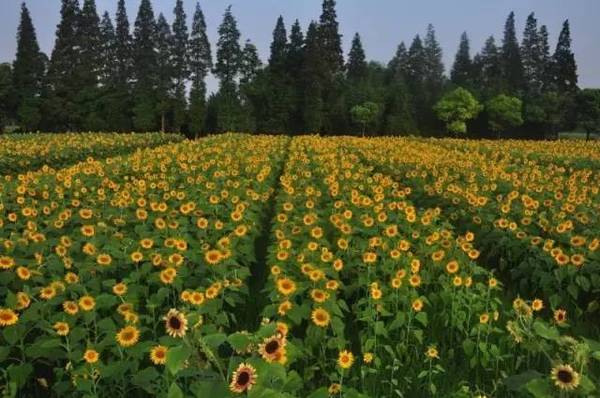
[[382, 24]]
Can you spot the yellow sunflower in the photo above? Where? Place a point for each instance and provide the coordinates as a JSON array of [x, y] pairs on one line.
[[175, 323], [128, 336], [243, 378], [158, 355], [345, 359], [320, 317]]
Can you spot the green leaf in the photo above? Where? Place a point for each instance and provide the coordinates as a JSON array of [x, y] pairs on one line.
[[516, 382], [239, 341], [320, 393], [19, 374], [176, 357], [468, 346], [144, 379], [212, 389], [175, 391], [545, 331], [422, 318], [540, 388], [215, 340]]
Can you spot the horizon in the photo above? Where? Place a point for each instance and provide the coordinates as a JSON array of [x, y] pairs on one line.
[[353, 16]]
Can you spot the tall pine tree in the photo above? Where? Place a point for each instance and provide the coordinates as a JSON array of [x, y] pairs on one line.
[[488, 71], [294, 62], [313, 66], [164, 72], [276, 98], [357, 64], [331, 40], [180, 65], [200, 64], [227, 69], [60, 110], [532, 56], [512, 66], [145, 67], [565, 68], [27, 74], [462, 70]]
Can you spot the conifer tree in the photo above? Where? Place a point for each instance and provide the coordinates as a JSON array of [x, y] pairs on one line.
[[532, 56], [107, 50], [180, 65], [227, 69], [331, 40], [313, 75], [544, 47], [278, 47], [294, 62], [462, 70], [145, 69], [398, 65], [357, 65], [200, 64], [60, 106], [26, 74], [565, 68], [488, 69], [165, 71], [512, 66]]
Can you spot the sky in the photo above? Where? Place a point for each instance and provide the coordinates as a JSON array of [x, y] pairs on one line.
[[382, 24]]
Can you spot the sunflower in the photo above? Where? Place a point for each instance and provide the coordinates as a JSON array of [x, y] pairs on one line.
[[284, 307], [319, 295], [158, 355], [334, 388], [452, 267], [6, 262], [432, 352], [175, 323], [537, 305], [320, 317], [91, 356], [70, 307], [213, 257], [47, 293], [286, 286], [368, 357], [87, 303], [62, 328], [565, 377], [560, 316], [120, 289], [345, 359], [128, 336], [23, 273], [273, 349], [104, 259], [8, 317], [243, 378], [417, 305]]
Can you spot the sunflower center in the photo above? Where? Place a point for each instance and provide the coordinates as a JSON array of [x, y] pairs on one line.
[[174, 322], [243, 378], [272, 347], [565, 376]]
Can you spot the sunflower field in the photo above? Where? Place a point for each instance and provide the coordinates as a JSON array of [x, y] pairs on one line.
[[309, 267]]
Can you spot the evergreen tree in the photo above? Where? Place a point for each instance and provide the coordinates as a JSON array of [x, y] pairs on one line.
[[565, 68], [512, 66], [357, 65], [544, 47], [331, 40], [227, 69], [398, 66], [488, 73], [60, 105], [278, 47], [433, 65], [165, 70], [249, 68], [90, 67], [533, 58], [250, 63], [313, 74], [415, 64], [462, 69], [118, 96], [294, 62], [27, 74], [145, 68], [180, 65], [7, 95], [200, 63], [107, 50]]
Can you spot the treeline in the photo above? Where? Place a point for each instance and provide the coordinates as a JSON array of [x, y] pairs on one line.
[[105, 76]]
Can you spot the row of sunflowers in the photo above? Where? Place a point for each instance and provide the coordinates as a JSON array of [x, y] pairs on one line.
[[20, 153], [538, 219], [264, 266]]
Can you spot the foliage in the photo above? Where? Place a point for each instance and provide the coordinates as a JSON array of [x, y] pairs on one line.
[[456, 108], [504, 112], [365, 114]]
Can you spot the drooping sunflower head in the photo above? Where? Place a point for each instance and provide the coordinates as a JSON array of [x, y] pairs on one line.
[[565, 377], [175, 323], [243, 378]]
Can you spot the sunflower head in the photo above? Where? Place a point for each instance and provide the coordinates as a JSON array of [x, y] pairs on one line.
[[243, 379], [175, 323], [565, 377]]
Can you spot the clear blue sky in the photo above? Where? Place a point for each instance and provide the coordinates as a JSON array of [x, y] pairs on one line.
[[382, 24]]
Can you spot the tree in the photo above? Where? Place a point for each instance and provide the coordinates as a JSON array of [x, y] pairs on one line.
[[227, 68], [546, 59], [27, 74], [488, 71], [60, 104], [565, 68], [249, 69], [532, 56], [165, 70], [90, 67], [180, 65], [278, 47], [145, 66], [365, 114], [504, 112], [294, 66], [357, 65], [433, 65], [512, 67], [462, 70], [588, 111], [6, 95], [276, 95], [456, 108], [200, 63], [398, 65], [312, 106], [331, 39]]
